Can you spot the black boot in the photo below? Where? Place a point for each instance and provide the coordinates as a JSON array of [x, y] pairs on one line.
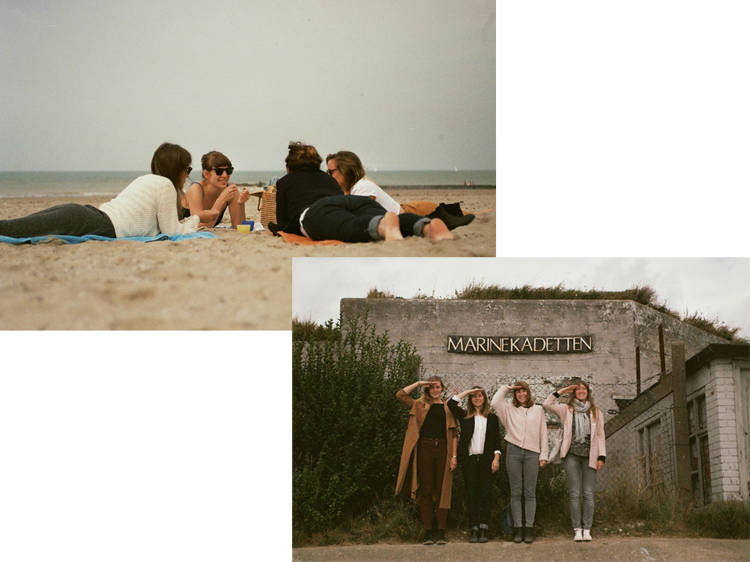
[[451, 221], [453, 208], [518, 536], [482, 534], [427, 537], [441, 537], [474, 537], [528, 535]]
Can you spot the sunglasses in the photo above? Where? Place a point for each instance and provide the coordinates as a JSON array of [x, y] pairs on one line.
[[188, 170], [220, 171], [330, 172]]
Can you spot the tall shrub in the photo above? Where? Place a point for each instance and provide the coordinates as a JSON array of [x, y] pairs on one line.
[[348, 427]]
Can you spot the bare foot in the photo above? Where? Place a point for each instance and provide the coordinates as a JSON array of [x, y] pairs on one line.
[[436, 230], [388, 227]]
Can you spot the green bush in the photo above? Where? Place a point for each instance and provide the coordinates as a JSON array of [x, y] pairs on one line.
[[348, 427], [721, 520]]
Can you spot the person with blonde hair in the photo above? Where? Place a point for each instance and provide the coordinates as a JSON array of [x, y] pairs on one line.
[[210, 197], [526, 434], [583, 450], [478, 455], [429, 455]]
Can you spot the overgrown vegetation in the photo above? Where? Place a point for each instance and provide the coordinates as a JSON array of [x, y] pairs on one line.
[[642, 294], [348, 425]]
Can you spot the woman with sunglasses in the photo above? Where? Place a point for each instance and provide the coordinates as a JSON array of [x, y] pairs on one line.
[[214, 192], [478, 455], [148, 206], [527, 452], [310, 203]]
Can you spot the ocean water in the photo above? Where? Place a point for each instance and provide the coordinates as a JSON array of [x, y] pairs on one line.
[[45, 184]]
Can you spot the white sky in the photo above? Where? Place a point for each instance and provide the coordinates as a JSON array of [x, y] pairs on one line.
[[91, 85], [715, 287]]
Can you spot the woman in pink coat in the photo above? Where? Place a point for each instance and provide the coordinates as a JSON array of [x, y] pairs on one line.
[[583, 450]]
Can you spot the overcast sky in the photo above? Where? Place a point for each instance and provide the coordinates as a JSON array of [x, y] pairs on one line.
[[91, 85], [715, 287]]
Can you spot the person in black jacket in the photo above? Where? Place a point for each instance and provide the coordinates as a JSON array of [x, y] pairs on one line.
[[310, 202], [478, 455]]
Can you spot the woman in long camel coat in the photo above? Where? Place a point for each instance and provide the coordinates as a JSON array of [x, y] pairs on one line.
[[429, 455]]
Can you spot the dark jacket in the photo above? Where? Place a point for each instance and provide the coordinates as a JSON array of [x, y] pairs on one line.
[[491, 439], [299, 189]]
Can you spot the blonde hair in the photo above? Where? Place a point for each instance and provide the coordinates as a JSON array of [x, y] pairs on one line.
[[529, 400], [484, 409], [426, 399]]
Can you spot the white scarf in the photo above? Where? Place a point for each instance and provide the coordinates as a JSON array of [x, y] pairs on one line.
[[582, 419]]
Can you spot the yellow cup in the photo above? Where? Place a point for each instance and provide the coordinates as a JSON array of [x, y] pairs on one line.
[[243, 228]]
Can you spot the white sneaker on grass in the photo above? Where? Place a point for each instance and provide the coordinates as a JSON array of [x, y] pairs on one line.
[[586, 535], [579, 536]]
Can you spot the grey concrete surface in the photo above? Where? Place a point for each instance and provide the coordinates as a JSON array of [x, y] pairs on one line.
[[634, 549]]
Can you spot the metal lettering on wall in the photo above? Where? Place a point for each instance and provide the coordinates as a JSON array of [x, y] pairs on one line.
[[520, 344]]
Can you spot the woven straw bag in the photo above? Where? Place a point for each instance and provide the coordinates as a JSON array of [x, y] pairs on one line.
[[266, 205]]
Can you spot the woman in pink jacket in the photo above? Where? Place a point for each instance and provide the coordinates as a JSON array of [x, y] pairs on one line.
[[583, 450], [526, 434]]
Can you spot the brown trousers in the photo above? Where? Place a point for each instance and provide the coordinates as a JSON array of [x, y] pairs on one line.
[[431, 459]]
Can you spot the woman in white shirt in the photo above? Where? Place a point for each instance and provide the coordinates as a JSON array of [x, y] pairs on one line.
[[526, 434], [478, 455], [148, 206], [347, 169]]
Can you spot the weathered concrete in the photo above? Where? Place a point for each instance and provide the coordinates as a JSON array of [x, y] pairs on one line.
[[636, 549], [618, 327]]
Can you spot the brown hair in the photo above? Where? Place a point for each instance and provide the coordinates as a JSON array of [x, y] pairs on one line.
[[426, 399], [350, 167], [593, 410], [171, 161], [302, 155], [215, 159], [529, 400], [484, 409]]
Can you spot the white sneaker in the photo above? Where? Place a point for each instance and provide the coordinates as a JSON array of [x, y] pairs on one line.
[[578, 537], [586, 535]]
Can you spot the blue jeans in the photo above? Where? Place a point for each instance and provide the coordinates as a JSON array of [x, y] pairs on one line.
[[477, 471], [581, 479], [354, 218], [69, 219], [523, 468]]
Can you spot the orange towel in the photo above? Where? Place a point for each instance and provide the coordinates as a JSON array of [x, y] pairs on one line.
[[305, 241]]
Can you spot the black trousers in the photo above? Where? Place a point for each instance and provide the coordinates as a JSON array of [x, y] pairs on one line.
[[69, 219], [477, 471]]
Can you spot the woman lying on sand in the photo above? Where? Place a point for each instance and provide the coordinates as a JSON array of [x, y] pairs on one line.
[[214, 192], [311, 203], [146, 207], [347, 169]]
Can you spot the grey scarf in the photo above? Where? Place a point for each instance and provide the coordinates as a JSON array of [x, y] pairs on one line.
[[582, 419]]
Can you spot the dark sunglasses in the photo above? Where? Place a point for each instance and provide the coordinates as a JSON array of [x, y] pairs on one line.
[[188, 170], [330, 172], [220, 171]]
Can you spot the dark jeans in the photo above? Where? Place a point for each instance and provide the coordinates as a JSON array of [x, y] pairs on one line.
[[477, 471], [432, 454], [69, 219], [353, 218]]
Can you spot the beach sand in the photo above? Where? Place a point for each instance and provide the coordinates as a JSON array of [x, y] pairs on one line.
[[235, 282]]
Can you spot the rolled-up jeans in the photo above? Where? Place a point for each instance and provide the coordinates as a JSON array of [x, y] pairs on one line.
[[581, 479], [69, 219], [354, 218], [523, 469]]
